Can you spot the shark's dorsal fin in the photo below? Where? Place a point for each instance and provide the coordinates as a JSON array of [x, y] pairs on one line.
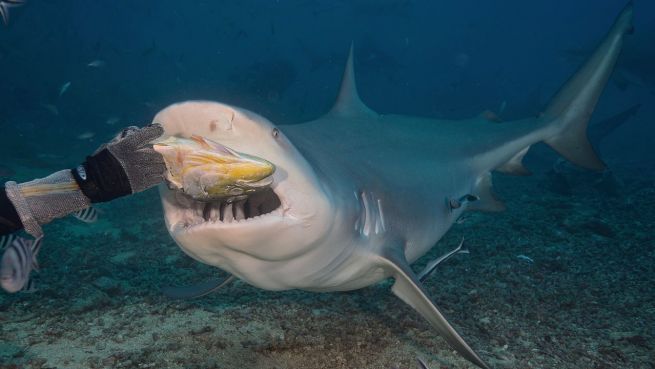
[[409, 289], [348, 102]]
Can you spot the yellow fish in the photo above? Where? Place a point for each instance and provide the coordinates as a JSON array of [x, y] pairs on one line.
[[207, 170]]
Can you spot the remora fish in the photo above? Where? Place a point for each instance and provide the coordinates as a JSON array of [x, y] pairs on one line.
[[358, 196], [206, 170]]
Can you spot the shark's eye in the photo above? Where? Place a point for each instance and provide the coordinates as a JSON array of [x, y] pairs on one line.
[[275, 133]]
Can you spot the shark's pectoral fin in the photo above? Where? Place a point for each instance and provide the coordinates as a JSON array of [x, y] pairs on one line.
[[409, 289], [196, 290]]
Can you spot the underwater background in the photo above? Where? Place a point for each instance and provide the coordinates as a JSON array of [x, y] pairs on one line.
[[565, 278]]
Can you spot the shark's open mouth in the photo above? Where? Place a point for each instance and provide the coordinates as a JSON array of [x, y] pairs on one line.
[[255, 205]]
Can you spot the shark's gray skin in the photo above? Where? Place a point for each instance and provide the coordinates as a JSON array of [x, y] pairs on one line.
[[358, 196]]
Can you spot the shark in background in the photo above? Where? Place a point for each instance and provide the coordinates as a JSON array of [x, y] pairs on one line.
[[358, 196]]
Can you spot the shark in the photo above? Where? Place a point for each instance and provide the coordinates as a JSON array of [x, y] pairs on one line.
[[358, 196]]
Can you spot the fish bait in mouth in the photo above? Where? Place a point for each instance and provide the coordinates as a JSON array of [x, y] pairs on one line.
[[207, 171]]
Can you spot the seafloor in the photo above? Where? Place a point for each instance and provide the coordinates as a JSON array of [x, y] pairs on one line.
[[587, 300]]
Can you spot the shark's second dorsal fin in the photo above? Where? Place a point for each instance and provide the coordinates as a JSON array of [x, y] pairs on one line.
[[348, 102]]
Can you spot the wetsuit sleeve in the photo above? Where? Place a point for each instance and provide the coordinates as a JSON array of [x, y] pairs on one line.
[[9, 219]]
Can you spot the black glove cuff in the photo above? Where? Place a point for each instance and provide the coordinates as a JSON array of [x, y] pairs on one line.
[[9, 219], [102, 177]]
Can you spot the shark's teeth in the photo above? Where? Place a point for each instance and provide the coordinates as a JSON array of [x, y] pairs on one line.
[[239, 212], [231, 210], [214, 213], [227, 213]]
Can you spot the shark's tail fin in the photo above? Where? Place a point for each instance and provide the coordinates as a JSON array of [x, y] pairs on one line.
[[572, 106]]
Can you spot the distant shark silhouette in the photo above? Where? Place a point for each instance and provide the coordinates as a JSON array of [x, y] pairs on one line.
[[358, 196]]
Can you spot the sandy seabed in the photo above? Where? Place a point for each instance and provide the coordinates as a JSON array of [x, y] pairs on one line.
[[586, 301]]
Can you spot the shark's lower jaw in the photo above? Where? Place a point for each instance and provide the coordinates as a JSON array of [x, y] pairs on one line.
[[242, 209]]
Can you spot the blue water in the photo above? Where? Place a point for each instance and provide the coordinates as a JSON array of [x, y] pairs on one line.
[[284, 59]]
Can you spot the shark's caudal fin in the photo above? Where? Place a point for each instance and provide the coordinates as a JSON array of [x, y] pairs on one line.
[[348, 102], [572, 106], [409, 289]]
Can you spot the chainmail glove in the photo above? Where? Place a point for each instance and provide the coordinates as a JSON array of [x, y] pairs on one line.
[[128, 164], [40, 201]]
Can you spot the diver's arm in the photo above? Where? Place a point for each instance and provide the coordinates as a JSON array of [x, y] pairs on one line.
[[126, 165], [9, 219]]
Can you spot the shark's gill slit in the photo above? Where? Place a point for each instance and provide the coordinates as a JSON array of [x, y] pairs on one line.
[[257, 204]]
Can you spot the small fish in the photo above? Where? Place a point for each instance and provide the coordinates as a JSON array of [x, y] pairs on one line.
[[526, 258], [97, 64], [501, 108], [5, 5], [64, 88], [6, 240], [51, 108], [18, 260], [86, 135], [112, 120], [88, 215], [207, 170]]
